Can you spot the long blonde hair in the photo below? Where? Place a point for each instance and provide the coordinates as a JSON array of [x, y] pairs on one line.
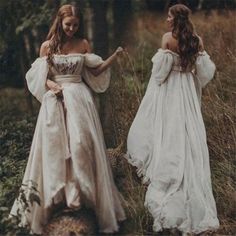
[[56, 33], [183, 30]]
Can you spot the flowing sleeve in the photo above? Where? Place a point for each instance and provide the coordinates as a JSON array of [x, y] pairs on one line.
[[36, 78], [162, 64], [100, 83], [205, 69]]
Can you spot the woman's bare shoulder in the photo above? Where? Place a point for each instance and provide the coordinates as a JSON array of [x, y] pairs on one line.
[[82, 46], [44, 48], [201, 45], [168, 41], [87, 45], [167, 36]]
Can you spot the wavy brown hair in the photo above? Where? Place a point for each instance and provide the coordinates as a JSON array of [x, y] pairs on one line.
[[183, 31], [56, 33]]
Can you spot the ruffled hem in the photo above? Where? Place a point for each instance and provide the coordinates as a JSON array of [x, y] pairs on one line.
[[141, 170], [49, 202], [161, 222], [211, 225], [25, 213], [110, 230]]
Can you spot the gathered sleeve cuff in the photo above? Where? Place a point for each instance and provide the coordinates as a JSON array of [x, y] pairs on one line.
[[162, 64], [36, 78], [100, 83], [205, 68]]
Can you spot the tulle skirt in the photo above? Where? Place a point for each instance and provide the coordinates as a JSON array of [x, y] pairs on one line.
[[167, 143]]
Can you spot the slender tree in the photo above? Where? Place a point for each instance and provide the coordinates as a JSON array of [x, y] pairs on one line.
[[100, 29], [122, 12]]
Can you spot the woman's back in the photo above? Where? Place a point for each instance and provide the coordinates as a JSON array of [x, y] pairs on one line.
[[167, 143], [172, 43], [167, 139], [169, 42]]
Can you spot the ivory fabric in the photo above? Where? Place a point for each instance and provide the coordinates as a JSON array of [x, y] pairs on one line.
[[67, 161], [167, 143]]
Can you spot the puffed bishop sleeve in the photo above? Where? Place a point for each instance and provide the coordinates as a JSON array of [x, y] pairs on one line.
[[36, 78], [162, 64], [205, 68], [100, 83]]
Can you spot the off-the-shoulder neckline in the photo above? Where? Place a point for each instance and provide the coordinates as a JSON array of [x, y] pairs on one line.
[[176, 54], [67, 55], [70, 54]]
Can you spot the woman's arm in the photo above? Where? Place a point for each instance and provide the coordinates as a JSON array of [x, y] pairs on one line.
[[98, 70], [201, 45], [164, 41], [44, 49], [54, 87]]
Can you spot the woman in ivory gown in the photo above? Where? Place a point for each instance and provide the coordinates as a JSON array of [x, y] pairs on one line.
[[167, 139], [67, 161]]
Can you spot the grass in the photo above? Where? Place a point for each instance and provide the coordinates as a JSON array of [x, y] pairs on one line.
[[218, 107]]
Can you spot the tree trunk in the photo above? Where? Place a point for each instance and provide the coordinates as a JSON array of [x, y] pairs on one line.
[[31, 50], [24, 63], [101, 47], [101, 43], [122, 12]]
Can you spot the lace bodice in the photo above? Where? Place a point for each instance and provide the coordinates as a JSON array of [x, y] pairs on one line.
[[71, 64]]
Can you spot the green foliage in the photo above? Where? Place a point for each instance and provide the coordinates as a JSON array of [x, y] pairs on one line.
[[23, 15], [16, 131], [36, 16]]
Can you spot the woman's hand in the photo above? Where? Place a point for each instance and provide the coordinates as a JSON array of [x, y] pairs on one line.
[[55, 88], [119, 51], [107, 63]]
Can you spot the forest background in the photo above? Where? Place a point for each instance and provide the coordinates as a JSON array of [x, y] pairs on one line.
[[138, 26]]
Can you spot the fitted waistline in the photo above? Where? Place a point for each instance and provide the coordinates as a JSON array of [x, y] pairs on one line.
[[67, 78], [180, 69]]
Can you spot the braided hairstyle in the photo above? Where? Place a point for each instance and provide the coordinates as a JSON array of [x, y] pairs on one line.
[[183, 31], [56, 33]]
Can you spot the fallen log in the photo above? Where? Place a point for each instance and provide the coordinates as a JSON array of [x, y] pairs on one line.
[[72, 223]]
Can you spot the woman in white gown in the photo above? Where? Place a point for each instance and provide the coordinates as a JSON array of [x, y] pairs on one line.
[[67, 161], [167, 140]]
